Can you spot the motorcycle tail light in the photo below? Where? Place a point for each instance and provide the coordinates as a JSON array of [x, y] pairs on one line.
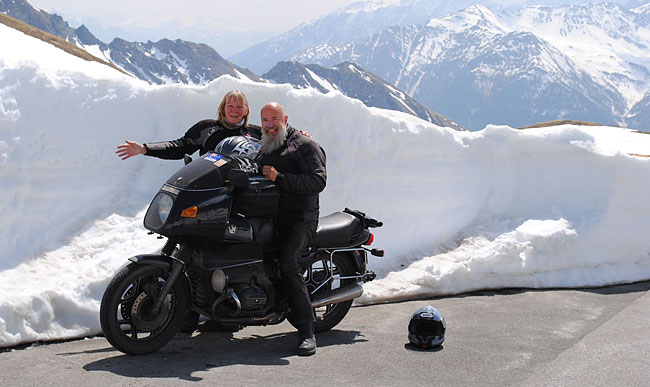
[[370, 240], [190, 212]]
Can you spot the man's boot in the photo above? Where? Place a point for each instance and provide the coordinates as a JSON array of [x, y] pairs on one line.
[[306, 340]]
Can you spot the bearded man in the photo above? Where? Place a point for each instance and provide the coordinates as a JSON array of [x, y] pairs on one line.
[[296, 164]]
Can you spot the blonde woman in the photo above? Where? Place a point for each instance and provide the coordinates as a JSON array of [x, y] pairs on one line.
[[232, 120]]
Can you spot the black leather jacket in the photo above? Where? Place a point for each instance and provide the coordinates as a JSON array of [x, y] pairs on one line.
[[202, 136], [302, 175]]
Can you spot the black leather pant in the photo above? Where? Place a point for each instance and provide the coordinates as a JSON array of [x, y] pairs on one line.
[[294, 237]]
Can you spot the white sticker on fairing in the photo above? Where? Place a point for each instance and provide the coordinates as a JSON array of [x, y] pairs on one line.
[[247, 165]]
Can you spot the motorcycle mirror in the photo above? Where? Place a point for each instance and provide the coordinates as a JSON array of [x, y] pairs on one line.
[[237, 178], [187, 159]]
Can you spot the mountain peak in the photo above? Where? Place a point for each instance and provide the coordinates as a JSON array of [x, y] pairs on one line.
[[368, 6], [86, 37], [473, 16]]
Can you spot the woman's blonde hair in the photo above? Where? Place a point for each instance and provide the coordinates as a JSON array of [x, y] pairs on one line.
[[237, 96]]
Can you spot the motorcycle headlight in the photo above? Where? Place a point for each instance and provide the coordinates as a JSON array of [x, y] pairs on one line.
[[158, 211]]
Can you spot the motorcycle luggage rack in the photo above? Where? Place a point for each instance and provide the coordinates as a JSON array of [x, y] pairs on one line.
[[331, 266]]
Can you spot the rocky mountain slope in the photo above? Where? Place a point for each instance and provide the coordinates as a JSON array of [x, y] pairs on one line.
[[354, 82], [161, 62]]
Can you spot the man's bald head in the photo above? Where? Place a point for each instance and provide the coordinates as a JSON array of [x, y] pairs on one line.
[[274, 107], [274, 126]]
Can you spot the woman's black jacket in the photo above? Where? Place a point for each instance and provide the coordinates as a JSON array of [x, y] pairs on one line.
[[202, 136]]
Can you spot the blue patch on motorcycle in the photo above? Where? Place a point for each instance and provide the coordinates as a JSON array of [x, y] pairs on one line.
[[213, 157]]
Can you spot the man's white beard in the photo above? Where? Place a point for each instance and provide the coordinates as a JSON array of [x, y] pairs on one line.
[[269, 144]]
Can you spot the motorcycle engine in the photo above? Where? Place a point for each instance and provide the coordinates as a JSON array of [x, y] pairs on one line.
[[251, 298]]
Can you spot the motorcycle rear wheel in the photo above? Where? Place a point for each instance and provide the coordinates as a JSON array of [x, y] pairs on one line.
[[328, 316], [126, 314]]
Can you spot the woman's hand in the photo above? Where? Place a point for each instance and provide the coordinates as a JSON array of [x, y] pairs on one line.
[[130, 149], [306, 133]]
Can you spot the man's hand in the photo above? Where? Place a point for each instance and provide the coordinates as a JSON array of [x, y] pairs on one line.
[[269, 172], [130, 149]]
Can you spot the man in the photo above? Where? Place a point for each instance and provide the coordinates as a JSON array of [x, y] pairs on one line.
[[296, 164]]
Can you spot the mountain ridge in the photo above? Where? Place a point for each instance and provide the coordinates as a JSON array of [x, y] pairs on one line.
[[422, 59], [157, 62], [355, 82]]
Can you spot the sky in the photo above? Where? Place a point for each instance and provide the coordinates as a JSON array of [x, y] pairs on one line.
[[227, 26], [542, 208]]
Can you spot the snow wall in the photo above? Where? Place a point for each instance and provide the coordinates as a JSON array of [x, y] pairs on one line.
[[556, 207]]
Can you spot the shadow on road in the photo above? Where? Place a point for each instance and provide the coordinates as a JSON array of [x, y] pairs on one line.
[[186, 355]]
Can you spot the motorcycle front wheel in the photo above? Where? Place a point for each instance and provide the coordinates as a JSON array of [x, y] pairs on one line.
[[126, 314]]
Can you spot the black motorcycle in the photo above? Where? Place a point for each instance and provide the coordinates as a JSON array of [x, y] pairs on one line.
[[220, 259]]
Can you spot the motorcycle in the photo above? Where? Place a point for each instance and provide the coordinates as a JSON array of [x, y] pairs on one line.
[[220, 259]]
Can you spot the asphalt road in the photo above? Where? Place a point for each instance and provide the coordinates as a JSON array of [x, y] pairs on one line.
[[584, 337]]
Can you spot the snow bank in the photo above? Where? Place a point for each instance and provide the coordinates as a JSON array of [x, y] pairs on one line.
[[561, 206]]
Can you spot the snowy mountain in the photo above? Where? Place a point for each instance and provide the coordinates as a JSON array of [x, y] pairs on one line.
[[354, 82], [609, 42], [167, 61], [356, 20], [161, 62], [586, 62], [361, 19]]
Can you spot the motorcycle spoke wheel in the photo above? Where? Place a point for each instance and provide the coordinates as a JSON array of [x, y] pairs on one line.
[[127, 317], [326, 278]]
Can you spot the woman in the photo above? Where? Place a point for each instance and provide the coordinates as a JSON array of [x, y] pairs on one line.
[[232, 120]]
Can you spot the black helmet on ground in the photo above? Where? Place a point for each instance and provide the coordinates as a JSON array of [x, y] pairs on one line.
[[427, 327]]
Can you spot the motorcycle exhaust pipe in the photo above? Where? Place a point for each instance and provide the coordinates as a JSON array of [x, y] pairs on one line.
[[229, 294], [339, 295]]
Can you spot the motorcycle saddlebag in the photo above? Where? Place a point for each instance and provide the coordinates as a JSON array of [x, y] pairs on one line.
[[259, 199]]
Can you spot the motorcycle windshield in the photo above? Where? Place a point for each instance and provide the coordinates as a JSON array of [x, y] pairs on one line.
[[206, 172]]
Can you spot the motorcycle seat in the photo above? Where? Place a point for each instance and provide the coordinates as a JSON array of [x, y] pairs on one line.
[[339, 229]]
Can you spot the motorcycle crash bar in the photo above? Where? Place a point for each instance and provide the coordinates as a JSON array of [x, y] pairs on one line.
[[339, 295]]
